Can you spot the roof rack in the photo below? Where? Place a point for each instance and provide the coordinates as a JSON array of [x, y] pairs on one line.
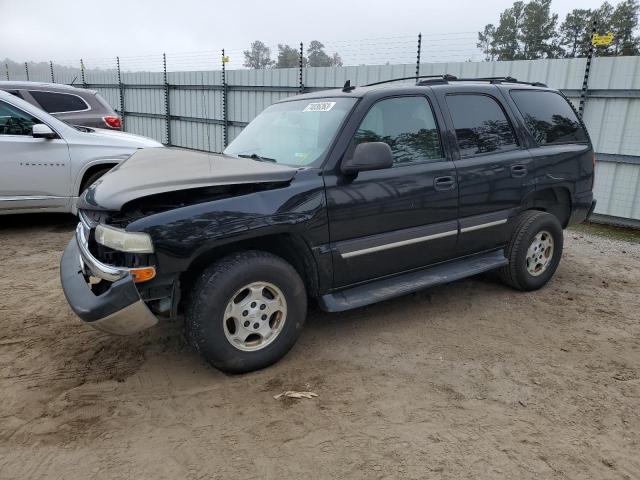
[[445, 78], [500, 80], [413, 77]]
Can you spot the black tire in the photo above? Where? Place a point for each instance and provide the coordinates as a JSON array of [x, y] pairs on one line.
[[528, 225], [91, 179], [217, 286]]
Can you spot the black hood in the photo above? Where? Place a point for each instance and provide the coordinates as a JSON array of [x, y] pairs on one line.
[[160, 170]]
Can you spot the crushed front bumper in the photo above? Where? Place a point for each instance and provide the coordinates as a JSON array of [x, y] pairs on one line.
[[118, 310]]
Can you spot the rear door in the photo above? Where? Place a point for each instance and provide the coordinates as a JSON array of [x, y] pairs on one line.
[[493, 167], [401, 218], [562, 152], [34, 172]]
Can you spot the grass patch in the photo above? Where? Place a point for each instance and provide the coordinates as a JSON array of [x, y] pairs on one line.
[[610, 231]]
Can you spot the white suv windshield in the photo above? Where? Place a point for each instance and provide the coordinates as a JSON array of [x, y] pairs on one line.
[[294, 133]]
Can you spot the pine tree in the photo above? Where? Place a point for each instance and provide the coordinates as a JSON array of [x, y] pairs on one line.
[[288, 57], [603, 16], [575, 32], [486, 40], [258, 57], [538, 31], [318, 57], [506, 44], [624, 22]]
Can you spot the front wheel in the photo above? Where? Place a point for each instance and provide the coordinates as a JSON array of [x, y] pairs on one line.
[[246, 311], [534, 251]]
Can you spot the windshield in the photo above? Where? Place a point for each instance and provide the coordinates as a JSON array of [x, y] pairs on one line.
[[294, 133]]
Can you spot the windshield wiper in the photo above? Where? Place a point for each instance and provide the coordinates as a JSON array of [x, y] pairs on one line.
[[255, 156]]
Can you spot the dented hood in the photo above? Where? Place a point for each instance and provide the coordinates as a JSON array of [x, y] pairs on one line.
[[160, 170]]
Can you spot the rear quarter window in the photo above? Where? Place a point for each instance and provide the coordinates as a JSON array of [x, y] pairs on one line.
[[53, 102], [549, 117]]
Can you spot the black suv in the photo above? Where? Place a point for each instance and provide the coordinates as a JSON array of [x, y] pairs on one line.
[[347, 197]]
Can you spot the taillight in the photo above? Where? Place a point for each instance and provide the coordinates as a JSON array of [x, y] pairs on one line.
[[112, 121]]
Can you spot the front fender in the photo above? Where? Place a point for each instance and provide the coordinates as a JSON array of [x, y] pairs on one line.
[[183, 234], [108, 160]]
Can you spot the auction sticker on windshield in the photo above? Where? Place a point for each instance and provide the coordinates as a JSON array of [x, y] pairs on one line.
[[319, 107]]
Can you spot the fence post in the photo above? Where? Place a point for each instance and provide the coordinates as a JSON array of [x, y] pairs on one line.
[[6, 66], [301, 84], [53, 80], [225, 118], [418, 59], [121, 92], [585, 82], [167, 113], [84, 83], [26, 69]]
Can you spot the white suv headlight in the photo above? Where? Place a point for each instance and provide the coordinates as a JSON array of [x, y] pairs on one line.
[[123, 241]]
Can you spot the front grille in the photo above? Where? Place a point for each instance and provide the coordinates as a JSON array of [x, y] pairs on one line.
[[90, 220]]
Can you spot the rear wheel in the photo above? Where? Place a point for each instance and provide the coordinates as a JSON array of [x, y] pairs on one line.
[[534, 251], [246, 311]]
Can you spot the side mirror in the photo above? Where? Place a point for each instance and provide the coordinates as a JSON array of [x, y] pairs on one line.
[[368, 156], [40, 130]]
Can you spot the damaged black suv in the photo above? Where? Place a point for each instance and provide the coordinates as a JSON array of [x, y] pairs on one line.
[[347, 197]]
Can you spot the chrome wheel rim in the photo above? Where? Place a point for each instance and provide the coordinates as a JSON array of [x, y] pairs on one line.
[[540, 253], [254, 316]]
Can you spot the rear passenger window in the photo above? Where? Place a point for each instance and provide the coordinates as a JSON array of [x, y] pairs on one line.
[[407, 125], [549, 117], [481, 125], [53, 102]]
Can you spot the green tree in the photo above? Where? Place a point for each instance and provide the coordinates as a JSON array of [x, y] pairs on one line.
[[288, 57], [317, 57], [258, 57], [538, 31], [575, 32], [603, 16], [486, 40], [506, 38], [336, 60], [624, 23]]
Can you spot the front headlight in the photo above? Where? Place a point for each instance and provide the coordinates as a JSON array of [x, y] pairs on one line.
[[123, 241]]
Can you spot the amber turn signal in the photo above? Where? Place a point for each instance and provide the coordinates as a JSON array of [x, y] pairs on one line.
[[143, 274]]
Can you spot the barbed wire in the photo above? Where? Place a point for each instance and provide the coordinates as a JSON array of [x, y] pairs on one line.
[[386, 50]]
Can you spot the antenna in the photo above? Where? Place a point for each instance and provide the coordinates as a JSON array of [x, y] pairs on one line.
[[347, 86]]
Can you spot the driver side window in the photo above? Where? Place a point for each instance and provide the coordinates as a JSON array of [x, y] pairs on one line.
[[14, 121], [407, 125]]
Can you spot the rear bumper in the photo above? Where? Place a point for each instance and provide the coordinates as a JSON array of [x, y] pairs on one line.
[[119, 310], [583, 206]]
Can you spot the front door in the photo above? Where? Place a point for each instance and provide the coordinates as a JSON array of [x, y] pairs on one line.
[[34, 172], [401, 218]]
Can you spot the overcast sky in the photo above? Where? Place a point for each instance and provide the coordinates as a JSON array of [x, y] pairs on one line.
[[66, 30]]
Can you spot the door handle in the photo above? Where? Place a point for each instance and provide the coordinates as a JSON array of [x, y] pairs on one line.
[[444, 183], [518, 170]]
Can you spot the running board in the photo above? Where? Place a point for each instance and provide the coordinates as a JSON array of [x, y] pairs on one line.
[[391, 287]]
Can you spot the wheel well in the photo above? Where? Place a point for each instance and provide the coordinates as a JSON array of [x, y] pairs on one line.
[[556, 201], [94, 169], [288, 247]]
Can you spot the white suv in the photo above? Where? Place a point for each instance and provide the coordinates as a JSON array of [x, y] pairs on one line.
[[45, 163]]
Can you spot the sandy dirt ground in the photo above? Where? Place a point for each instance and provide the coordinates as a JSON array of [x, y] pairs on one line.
[[468, 380]]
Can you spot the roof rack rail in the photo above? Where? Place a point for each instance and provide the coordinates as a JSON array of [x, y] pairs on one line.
[[413, 77], [506, 79], [444, 78]]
